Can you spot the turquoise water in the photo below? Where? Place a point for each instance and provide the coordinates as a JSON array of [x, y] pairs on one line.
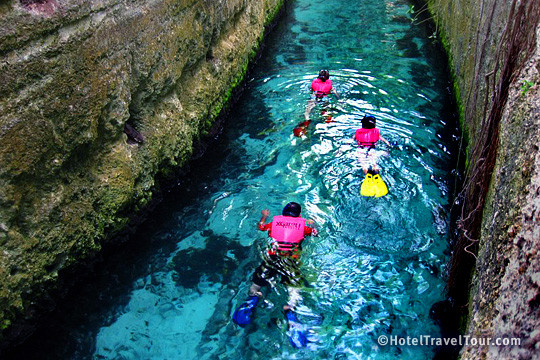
[[377, 265]]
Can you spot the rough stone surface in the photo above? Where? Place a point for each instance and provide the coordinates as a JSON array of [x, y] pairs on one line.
[[471, 32], [505, 292], [506, 295], [73, 73]]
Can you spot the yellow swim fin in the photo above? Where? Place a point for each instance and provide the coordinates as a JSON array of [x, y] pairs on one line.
[[379, 187], [367, 188]]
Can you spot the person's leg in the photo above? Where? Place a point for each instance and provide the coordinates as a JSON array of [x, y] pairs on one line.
[[244, 314], [261, 276], [363, 159], [309, 107], [292, 278], [294, 298], [373, 156]]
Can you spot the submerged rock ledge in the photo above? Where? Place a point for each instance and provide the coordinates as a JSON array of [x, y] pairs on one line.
[[98, 99]]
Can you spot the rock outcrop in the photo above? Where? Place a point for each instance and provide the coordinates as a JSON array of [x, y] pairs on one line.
[[490, 72], [97, 100]]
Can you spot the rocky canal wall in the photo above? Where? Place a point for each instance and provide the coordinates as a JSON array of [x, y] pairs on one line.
[[495, 57], [98, 99]]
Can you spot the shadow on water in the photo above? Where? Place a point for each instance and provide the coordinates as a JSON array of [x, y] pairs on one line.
[[93, 302], [217, 262]]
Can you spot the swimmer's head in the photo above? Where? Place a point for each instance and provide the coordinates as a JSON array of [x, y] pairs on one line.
[[292, 209], [324, 75], [368, 122]]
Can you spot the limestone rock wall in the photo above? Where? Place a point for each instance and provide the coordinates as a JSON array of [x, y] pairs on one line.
[[73, 73], [505, 292]]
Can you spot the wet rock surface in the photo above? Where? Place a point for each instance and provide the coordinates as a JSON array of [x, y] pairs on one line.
[[505, 290], [73, 76]]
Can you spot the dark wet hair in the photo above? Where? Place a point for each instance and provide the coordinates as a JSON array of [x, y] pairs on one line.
[[324, 75], [292, 209], [368, 122]]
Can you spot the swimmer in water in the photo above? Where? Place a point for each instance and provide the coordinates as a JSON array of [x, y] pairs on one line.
[[367, 138], [287, 232], [321, 87]]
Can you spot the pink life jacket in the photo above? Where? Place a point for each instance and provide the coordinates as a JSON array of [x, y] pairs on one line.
[[288, 231], [321, 88], [367, 137]]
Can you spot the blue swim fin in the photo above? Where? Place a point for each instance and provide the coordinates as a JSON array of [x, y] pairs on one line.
[[244, 313], [297, 331]]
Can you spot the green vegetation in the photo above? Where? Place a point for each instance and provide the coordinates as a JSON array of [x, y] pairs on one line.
[[526, 86]]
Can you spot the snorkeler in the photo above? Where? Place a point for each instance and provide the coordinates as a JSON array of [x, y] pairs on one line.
[[367, 137], [320, 88], [282, 259]]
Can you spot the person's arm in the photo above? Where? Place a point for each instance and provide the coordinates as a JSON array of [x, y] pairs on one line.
[[310, 230], [262, 224], [384, 140], [355, 140], [335, 92]]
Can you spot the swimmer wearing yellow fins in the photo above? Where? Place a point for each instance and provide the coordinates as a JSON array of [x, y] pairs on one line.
[[367, 137]]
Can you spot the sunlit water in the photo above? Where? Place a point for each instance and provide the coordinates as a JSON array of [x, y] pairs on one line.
[[378, 264]]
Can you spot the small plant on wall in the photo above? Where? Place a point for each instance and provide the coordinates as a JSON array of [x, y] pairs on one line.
[[526, 86]]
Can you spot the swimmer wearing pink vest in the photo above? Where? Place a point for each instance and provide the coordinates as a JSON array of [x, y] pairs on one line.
[[320, 87], [287, 230], [367, 138], [368, 135], [281, 261]]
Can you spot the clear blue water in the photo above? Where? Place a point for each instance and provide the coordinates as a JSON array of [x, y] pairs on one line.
[[377, 266]]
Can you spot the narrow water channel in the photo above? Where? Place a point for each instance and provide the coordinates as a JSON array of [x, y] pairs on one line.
[[377, 265]]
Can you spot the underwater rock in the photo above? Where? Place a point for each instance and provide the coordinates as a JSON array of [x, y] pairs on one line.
[[217, 262]]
